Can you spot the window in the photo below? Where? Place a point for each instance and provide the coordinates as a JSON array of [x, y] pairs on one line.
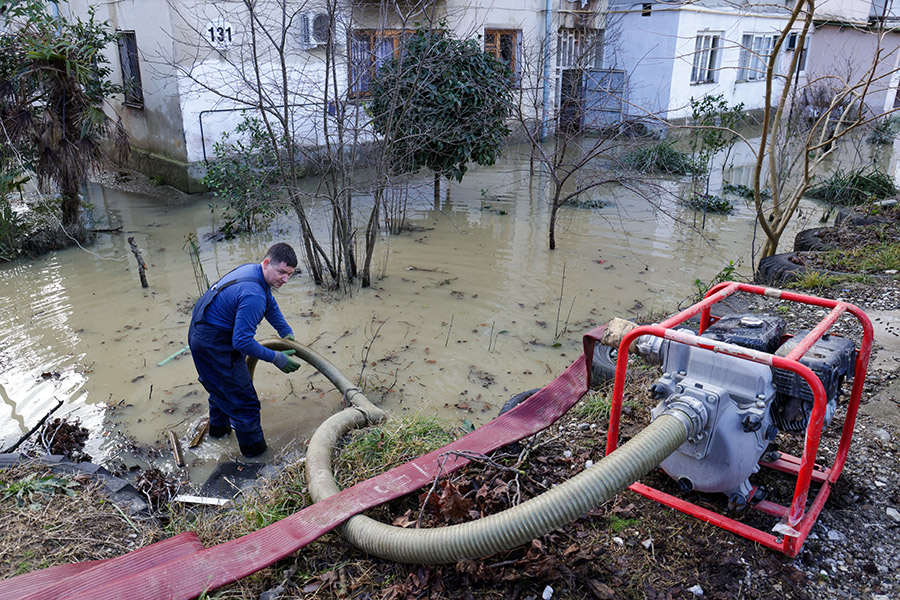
[[792, 43], [369, 50], [506, 46], [580, 48], [755, 52], [131, 69], [707, 49]]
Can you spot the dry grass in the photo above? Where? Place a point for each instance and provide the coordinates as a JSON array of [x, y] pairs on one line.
[[48, 527]]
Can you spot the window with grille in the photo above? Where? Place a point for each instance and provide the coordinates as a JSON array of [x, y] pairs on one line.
[[707, 50], [580, 48], [506, 46], [131, 69], [369, 50], [755, 52]]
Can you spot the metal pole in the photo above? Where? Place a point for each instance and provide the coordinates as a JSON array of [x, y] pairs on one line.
[[548, 24]]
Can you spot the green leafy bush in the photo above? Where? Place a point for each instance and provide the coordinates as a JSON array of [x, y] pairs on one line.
[[743, 191], [244, 173], [886, 131], [710, 203], [9, 226]]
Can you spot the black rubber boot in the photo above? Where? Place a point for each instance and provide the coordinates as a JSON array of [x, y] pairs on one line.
[[252, 450], [218, 431]]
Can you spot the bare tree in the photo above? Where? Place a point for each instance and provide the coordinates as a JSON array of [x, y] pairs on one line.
[[587, 137], [802, 125], [288, 71]]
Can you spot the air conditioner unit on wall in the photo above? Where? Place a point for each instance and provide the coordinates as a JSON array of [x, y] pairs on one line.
[[314, 29]]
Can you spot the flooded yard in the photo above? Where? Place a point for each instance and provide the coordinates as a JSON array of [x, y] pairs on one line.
[[468, 309]]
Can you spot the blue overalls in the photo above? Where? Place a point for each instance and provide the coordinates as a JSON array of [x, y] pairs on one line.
[[224, 374]]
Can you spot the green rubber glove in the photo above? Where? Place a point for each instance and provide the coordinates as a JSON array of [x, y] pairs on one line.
[[290, 336], [291, 365]]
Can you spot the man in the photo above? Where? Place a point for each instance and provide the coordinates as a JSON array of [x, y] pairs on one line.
[[221, 335]]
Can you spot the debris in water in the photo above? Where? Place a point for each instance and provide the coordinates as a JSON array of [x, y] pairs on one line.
[[200, 433], [176, 447], [66, 439]]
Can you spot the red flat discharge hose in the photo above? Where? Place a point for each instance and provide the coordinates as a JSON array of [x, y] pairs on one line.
[[187, 576]]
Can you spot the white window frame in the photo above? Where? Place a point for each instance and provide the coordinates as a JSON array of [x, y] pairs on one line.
[[707, 56], [756, 48], [579, 48]]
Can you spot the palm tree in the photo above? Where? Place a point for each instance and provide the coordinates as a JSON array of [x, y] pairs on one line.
[[53, 80]]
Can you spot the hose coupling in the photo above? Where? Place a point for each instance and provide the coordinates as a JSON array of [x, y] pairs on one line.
[[691, 412]]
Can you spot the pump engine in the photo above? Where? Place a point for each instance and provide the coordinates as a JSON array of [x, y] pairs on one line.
[[740, 405]]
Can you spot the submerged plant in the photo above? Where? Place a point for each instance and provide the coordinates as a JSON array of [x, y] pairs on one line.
[[722, 276], [661, 158], [710, 203], [849, 188], [743, 191]]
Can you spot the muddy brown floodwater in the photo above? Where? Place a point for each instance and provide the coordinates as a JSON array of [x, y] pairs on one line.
[[468, 309]]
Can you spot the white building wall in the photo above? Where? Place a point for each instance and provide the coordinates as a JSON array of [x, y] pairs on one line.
[[197, 74], [733, 27], [155, 127], [658, 52], [645, 47]]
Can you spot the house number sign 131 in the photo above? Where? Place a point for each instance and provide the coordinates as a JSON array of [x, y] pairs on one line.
[[219, 33]]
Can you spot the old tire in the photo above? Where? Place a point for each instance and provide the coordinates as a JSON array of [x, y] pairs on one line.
[[517, 400], [848, 216], [777, 269], [603, 364], [810, 239]]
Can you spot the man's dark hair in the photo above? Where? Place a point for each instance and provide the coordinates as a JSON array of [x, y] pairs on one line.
[[282, 253]]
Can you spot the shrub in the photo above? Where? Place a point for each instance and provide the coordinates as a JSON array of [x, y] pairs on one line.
[[10, 224], [244, 174], [710, 203], [885, 132], [849, 188], [661, 158]]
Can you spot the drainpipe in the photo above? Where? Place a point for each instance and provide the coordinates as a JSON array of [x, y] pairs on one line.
[[548, 24]]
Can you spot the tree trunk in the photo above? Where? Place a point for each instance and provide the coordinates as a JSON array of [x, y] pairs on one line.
[[371, 234], [554, 208], [70, 205], [437, 190]]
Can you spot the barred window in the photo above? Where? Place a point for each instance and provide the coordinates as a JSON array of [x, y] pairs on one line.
[[369, 50], [131, 69]]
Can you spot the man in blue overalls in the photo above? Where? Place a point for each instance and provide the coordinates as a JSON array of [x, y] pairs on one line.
[[223, 324]]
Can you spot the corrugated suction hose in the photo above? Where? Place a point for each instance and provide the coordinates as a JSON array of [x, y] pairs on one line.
[[489, 535]]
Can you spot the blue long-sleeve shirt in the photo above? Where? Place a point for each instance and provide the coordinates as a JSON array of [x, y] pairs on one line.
[[242, 306]]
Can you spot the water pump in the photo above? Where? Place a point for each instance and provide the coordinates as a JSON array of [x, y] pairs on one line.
[[743, 405], [737, 383]]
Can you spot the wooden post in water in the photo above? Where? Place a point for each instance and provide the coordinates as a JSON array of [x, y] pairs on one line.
[[142, 267]]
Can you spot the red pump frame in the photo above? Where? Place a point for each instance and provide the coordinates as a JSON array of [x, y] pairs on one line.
[[795, 521]]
